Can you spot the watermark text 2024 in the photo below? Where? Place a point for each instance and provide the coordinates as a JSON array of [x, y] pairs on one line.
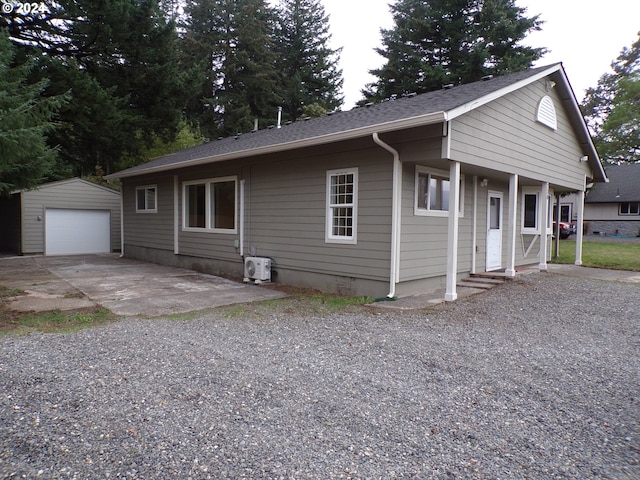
[[20, 8]]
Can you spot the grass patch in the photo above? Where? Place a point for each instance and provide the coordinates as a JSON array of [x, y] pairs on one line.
[[617, 256], [56, 321], [6, 292], [302, 302]]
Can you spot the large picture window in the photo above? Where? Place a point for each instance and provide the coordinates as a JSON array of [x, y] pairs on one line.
[[342, 206], [146, 199], [432, 188], [210, 205]]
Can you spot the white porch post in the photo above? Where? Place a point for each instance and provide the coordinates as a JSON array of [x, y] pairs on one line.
[[452, 237], [579, 227], [543, 214], [513, 211]]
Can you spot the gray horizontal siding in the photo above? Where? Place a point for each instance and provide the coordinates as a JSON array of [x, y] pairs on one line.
[[503, 135], [73, 194], [286, 215], [151, 230], [424, 238]]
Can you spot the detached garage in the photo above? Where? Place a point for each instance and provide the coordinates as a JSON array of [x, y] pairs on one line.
[[61, 218]]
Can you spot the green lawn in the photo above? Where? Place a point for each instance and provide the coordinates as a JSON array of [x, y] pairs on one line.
[[618, 256]]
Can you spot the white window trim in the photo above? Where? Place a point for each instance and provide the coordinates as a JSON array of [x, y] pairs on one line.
[[426, 212], [207, 183], [147, 210], [329, 237], [537, 230]]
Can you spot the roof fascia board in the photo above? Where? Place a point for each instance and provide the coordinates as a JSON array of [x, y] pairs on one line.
[[60, 183], [594, 158], [477, 103], [428, 119]]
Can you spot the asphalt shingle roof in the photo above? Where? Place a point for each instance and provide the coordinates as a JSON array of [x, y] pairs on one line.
[[376, 114], [623, 186]]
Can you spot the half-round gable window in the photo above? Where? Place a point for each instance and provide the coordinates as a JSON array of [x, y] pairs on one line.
[[546, 114]]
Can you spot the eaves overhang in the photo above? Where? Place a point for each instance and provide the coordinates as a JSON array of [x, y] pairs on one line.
[[405, 123]]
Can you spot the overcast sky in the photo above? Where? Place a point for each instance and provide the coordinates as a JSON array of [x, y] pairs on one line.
[[585, 36]]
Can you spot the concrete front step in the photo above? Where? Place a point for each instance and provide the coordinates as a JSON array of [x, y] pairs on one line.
[[482, 282]]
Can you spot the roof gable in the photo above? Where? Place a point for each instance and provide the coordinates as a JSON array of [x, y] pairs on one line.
[[68, 181], [393, 114]]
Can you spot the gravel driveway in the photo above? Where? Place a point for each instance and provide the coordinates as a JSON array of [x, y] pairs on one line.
[[538, 378]]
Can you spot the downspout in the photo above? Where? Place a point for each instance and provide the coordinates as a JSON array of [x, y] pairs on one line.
[[242, 218], [122, 222], [396, 198]]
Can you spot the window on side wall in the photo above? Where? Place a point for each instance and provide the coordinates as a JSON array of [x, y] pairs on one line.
[[342, 206], [432, 188], [630, 208], [146, 199], [531, 212], [210, 205]]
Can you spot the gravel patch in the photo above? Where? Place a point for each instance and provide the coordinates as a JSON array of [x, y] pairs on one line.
[[537, 378]]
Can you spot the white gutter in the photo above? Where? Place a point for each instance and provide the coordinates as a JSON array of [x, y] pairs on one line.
[[396, 203], [428, 119]]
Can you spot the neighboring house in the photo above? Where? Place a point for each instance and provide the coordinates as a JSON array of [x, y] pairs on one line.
[[67, 217], [389, 199], [614, 208]]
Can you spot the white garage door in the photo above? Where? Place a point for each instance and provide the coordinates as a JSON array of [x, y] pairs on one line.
[[77, 231]]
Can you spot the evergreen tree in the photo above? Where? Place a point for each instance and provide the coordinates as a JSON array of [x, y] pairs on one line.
[[25, 120], [227, 44], [438, 42], [308, 78], [612, 109], [119, 59]]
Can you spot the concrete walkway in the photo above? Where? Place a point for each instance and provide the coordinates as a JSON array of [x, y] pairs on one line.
[[124, 286]]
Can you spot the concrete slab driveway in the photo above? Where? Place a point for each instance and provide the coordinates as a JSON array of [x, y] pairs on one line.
[[124, 286]]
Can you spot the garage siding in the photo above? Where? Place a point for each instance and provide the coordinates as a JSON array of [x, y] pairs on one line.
[[68, 194]]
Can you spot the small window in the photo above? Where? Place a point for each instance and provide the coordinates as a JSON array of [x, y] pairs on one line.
[[342, 206], [630, 208], [210, 205], [146, 199], [432, 189], [530, 211]]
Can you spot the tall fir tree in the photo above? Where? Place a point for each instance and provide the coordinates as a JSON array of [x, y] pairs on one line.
[[307, 74], [612, 109], [119, 60], [26, 118], [437, 42], [227, 45]]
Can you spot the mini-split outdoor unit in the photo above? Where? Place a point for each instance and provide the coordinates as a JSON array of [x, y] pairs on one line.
[[257, 269]]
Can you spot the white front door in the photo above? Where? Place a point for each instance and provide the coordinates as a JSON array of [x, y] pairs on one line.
[[494, 231]]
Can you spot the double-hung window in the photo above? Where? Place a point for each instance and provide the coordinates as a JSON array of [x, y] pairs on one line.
[[147, 199], [342, 206], [210, 205], [432, 188]]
